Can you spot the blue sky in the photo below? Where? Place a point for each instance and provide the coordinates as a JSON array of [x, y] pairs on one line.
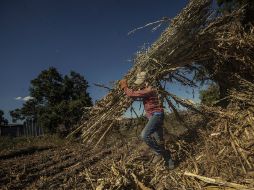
[[87, 36]]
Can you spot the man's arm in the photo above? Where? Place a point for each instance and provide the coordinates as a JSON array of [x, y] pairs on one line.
[[138, 93], [135, 94]]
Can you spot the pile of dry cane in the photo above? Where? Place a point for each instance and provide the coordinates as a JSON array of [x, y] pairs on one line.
[[224, 155]]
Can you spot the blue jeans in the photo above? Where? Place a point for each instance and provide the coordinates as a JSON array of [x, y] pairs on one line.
[[152, 134]]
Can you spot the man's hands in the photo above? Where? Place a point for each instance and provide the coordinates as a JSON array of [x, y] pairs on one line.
[[123, 83]]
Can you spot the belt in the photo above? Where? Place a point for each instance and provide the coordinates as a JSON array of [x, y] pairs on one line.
[[157, 113]]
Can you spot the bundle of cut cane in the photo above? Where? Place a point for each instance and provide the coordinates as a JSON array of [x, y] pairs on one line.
[[195, 36], [175, 48], [191, 37]]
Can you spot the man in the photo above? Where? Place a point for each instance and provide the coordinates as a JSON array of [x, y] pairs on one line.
[[155, 114]]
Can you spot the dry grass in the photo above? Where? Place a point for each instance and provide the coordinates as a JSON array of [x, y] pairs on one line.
[[214, 153], [223, 154]]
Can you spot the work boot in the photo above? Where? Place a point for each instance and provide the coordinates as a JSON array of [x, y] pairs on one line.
[[169, 163]]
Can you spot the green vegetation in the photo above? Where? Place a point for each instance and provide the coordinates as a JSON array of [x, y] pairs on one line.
[[3, 121], [210, 95], [57, 101]]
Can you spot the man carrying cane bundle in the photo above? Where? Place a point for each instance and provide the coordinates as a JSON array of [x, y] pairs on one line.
[[155, 115]]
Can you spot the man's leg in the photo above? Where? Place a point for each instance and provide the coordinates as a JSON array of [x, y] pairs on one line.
[[151, 127], [158, 135], [154, 127]]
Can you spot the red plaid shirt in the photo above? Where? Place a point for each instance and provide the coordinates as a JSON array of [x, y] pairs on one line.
[[149, 97]]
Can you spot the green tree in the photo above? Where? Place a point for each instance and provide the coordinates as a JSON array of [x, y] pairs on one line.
[[205, 72], [16, 115], [3, 121], [57, 100], [47, 88], [210, 95]]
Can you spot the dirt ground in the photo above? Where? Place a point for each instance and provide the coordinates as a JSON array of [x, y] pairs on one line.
[[46, 164], [56, 167], [60, 167], [122, 161]]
